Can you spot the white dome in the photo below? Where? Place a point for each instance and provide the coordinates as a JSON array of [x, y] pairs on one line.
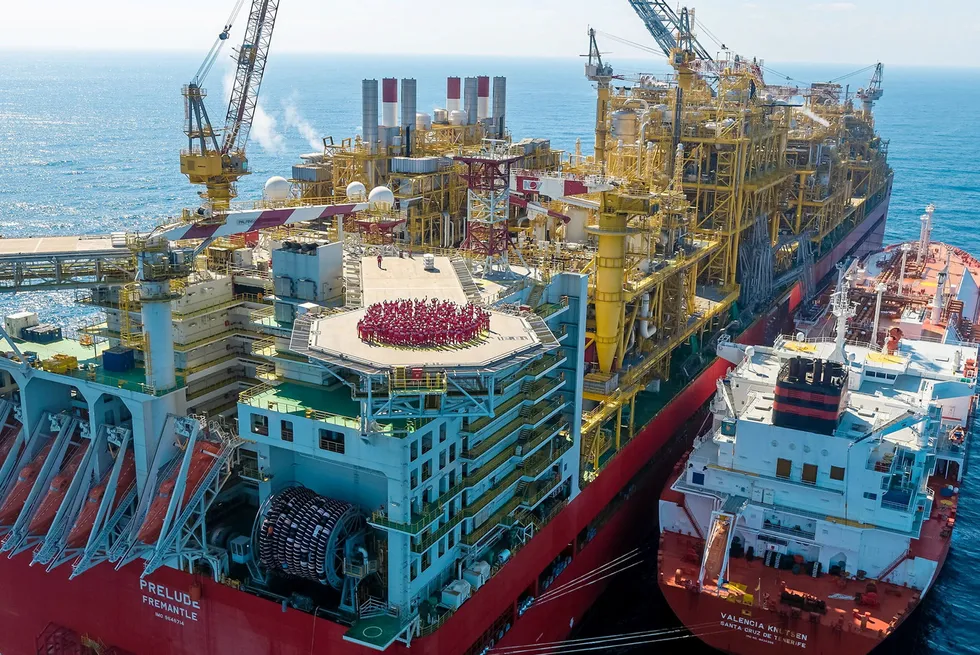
[[277, 189], [457, 117], [356, 191], [381, 198], [423, 122]]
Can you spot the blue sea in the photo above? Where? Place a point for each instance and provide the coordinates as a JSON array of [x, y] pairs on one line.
[[89, 144]]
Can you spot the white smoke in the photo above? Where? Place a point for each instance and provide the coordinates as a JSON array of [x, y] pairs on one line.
[[265, 133], [264, 130], [295, 120]]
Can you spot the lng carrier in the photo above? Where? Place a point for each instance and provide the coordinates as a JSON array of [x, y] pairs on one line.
[[426, 378]]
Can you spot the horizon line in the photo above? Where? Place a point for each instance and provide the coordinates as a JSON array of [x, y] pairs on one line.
[[510, 56]]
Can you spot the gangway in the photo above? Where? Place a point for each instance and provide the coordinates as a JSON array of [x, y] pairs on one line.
[[720, 533], [96, 463], [63, 427]]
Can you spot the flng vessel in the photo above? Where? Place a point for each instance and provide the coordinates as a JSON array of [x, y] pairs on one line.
[[342, 420], [818, 510]]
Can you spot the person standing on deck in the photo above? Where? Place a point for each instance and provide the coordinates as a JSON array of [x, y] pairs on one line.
[[379, 260]]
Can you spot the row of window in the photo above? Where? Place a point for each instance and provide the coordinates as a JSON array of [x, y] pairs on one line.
[[445, 457], [420, 565], [330, 440], [426, 442], [784, 468], [878, 374]]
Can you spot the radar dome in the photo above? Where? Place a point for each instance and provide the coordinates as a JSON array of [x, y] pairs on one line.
[[277, 188], [356, 191], [381, 198]]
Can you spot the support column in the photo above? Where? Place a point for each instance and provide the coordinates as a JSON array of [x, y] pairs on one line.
[[161, 373]]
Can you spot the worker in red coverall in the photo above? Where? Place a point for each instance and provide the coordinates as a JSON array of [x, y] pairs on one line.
[[379, 260]]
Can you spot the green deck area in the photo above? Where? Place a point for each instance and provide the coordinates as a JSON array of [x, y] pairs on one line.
[[331, 406], [89, 363], [377, 632]]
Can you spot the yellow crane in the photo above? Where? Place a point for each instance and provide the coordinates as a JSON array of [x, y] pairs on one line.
[[218, 164]]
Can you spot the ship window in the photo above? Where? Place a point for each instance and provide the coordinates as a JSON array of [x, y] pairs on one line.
[[260, 424], [415, 570], [442, 460], [426, 442], [426, 470], [452, 478], [870, 496], [836, 472], [783, 468], [332, 441], [286, 430], [442, 547], [415, 478], [415, 450], [697, 478], [452, 537], [452, 452], [810, 473], [442, 433], [426, 559]]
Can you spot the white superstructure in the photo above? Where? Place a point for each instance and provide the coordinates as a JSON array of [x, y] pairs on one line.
[[832, 463]]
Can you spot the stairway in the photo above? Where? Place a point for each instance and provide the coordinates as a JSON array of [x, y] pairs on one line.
[[534, 298], [352, 280], [470, 287]]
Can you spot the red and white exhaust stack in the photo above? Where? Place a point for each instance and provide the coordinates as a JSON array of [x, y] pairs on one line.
[[389, 102], [453, 94], [482, 97]]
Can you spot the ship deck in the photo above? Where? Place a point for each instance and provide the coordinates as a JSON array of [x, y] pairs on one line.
[[89, 361], [757, 585], [299, 399]]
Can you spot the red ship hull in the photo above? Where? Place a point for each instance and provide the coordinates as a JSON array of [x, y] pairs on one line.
[[172, 613]]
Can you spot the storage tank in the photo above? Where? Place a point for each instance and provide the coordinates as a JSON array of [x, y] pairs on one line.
[[625, 125], [458, 117], [423, 122], [381, 198], [440, 116], [276, 189]]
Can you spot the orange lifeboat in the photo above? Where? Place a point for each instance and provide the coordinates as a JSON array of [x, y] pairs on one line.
[[86, 518], [22, 488], [201, 461], [8, 435], [44, 517]]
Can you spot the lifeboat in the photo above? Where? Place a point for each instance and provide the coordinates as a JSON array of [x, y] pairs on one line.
[[80, 532], [22, 488], [44, 517], [8, 435], [201, 461]]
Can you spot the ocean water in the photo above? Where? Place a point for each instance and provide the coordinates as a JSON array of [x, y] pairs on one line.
[[89, 144]]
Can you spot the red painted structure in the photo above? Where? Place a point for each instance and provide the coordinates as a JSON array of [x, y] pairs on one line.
[[174, 613]]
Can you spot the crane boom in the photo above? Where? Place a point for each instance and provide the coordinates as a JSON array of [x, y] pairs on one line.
[[663, 23], [252, 57], [205, 161]]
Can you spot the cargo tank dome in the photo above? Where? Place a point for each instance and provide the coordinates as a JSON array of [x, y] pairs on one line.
[[277, 189], [381, 198], [356, 191]]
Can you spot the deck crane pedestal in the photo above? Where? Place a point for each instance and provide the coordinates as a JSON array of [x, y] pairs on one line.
[[873, 92], [218, 166]]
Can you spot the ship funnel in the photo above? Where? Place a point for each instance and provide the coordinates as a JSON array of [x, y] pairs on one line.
[[389, 102], [470, 102], [409, 111], [369, 114], [452, 95], [482, 97], [499, 106]]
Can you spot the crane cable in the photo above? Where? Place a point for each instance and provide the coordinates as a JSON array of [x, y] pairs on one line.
[[219, 42], [588, 574], [622, 640], [585, 581]]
